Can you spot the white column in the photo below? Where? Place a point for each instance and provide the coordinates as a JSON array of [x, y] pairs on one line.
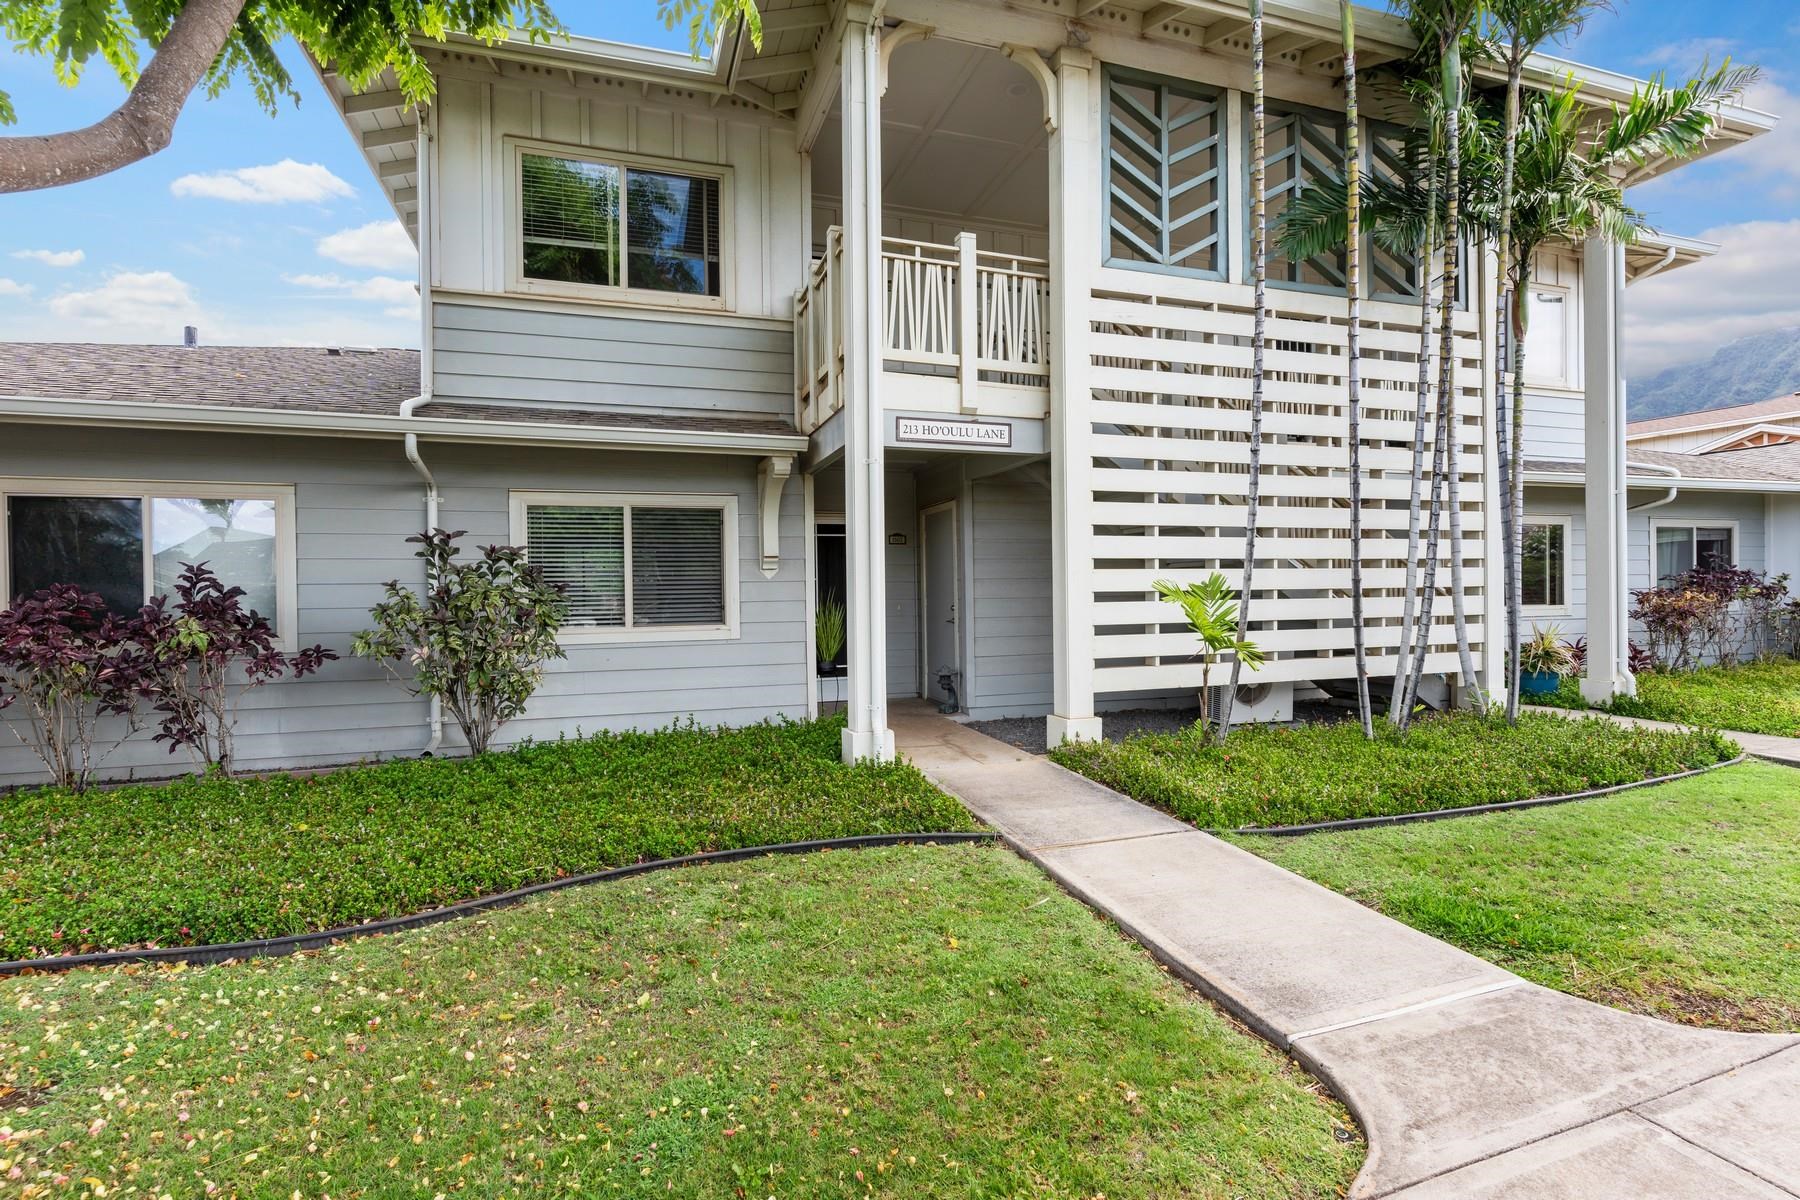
[[1603, 286], [1074, 254], [866, 734]]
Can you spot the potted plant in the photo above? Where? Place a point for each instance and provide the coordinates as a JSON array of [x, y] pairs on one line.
[[829, 628], [1544, 659]]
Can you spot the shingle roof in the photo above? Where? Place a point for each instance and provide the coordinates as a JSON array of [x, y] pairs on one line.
[[1759, 464], [1778, 406], [297, 379], [303, 378]]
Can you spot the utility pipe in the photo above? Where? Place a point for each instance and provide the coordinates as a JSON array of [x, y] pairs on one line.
[[409, 407]]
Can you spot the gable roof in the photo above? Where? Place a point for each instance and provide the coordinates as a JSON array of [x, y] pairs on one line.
[[1777, 406]]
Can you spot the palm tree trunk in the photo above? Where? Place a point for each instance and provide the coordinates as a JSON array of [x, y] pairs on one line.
[[1452, 75], [1259, 252], [1433, 547], [1397, 700], [1352, 365], [1509, 449]]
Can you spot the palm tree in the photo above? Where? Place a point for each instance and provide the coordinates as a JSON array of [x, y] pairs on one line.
[[1352, 367], [1259, 254], [1523, 25], [1218, 623]]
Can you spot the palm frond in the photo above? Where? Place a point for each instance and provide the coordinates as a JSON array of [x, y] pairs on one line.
[[1664, 122]]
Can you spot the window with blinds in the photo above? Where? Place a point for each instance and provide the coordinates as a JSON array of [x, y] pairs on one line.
[[627, 565], [609, 224]]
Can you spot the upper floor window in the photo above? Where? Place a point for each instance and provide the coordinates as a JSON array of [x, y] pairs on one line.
[[1164, 156], [1549, 336], [1302, 146], [603, 223]]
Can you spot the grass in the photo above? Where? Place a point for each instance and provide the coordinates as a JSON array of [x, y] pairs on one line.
[[907, 1022], [218, 860], [1681, 900], [1755, 697], [1266, 776]]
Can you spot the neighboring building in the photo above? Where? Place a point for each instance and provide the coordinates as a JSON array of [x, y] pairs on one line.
[[943, 311]]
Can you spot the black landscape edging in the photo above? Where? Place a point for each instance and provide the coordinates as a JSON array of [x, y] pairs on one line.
[[293, 942], [1473, 810]]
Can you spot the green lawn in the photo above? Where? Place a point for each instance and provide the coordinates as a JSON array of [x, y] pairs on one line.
[[1268, 776], [1758, 697], [1681, 900], [907, 1022], [216, 860]]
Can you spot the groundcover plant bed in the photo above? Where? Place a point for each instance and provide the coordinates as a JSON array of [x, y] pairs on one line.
[[211, 860], [1680, 900], [1265, 776], [906, 1022], [1757, 697]]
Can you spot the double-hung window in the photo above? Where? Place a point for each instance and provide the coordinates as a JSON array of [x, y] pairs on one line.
[[633, 565], [1681, 547], [596, 222], [127, 542], [1544, 581]]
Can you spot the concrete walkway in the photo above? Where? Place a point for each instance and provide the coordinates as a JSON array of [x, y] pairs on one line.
[[1782, 750], [1469, 1082]]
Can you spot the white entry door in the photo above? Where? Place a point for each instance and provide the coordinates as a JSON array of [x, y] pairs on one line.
[[942, 638]]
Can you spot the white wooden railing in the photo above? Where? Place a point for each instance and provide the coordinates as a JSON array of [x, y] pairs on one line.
[[951, 313]]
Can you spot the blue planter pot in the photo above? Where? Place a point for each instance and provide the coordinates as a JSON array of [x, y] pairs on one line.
[[1538, 683]]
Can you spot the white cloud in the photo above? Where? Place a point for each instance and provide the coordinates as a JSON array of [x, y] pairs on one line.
[[12, 287], [379, 245], [400, 295], [285, 182], [131, 306], [1746, 288], [53, 258]]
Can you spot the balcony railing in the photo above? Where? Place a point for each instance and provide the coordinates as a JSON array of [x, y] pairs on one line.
[[964, 330]]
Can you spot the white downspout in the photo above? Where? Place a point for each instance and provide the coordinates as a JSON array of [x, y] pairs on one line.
[[1674, 488], [409, 407]]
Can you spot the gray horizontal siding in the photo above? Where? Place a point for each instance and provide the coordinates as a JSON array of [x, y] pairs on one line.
[[719, 365], [1555, 426], [356, 501]]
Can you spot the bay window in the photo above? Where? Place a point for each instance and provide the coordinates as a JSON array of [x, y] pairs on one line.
[[635, 565], [613, 223], [128, 542]]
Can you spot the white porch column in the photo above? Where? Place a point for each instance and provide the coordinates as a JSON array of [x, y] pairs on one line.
[[865, 523], [1074, 254], [1603, 285]]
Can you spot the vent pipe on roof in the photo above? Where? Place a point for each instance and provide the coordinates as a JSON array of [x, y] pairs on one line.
[[190, 336]]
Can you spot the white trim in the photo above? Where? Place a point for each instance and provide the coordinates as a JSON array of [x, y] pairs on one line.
[[287, 554], [60, 411], [1639, 435], [1786, 432], [1567, 607], [725, 502], [516, 148], [1692, 525]]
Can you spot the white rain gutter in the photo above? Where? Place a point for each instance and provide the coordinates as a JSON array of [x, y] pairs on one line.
[[1667, 258], [1671, 472], [432, 497]]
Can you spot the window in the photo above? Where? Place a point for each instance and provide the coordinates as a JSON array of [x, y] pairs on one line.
[[654, 565], [1544, 582], [1303, 146], [128, 542], [1549, 312], [1681, 548], [1163, 158], [613, 224]]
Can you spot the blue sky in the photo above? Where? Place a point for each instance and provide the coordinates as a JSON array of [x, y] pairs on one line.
[[302, 248]]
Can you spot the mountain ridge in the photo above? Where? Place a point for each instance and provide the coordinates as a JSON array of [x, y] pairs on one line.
[[1758, 367]]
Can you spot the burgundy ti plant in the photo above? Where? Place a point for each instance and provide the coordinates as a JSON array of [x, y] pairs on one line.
[[65, 659]]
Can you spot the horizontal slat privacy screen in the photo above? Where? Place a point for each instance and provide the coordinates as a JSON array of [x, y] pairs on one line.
[[674, 559]]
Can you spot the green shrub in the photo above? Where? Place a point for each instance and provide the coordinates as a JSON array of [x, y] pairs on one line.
[[220, 860], [1266, 775]]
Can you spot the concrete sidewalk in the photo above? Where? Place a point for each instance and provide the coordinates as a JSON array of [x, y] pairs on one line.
[[1469, 1082], [1782, 750]]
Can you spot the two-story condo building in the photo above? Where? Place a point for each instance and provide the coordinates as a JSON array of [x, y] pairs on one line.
[[939, 309]]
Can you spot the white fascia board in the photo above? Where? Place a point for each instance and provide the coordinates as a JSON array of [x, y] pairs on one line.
[[596, 54], [1732, 435], [1722, 423], [1685, 483], [140, 415]]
